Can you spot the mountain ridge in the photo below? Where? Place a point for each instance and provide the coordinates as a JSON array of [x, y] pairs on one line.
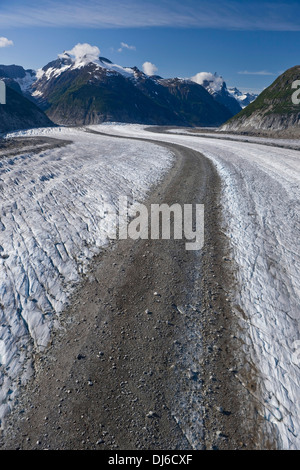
[[85, 92], [19, 113], [81, 87], [273, 112]]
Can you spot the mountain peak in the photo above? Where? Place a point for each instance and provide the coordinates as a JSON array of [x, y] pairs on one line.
[[94, 89], [212, 82], [216, 86], [82, 55]]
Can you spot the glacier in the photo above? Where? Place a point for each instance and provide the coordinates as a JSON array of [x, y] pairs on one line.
[[53, 220], [49, 236], [260, 203]]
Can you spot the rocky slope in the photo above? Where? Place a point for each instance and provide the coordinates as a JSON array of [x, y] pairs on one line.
[[20, 113], [273, 112]]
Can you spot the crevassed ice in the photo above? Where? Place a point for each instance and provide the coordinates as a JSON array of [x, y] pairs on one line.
[[261, 207], [52, 222]]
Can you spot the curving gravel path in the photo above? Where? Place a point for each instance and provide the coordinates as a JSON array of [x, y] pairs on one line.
[[150, 350]]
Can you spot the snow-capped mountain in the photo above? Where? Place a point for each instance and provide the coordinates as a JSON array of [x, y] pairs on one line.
[[81, 87], [18, 78], [243, 98], [217, 87]]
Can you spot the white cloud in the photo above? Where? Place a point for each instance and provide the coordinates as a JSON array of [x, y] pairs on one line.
[[208, 79], [83, 52], [260, 72], [126, 46], [149, 68], [4, 42]]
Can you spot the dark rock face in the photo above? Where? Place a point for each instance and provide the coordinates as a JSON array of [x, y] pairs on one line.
[[13, 71], [223, 97], [20, 113]]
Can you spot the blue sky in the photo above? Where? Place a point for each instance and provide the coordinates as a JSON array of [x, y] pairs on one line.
[[249, 43]]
